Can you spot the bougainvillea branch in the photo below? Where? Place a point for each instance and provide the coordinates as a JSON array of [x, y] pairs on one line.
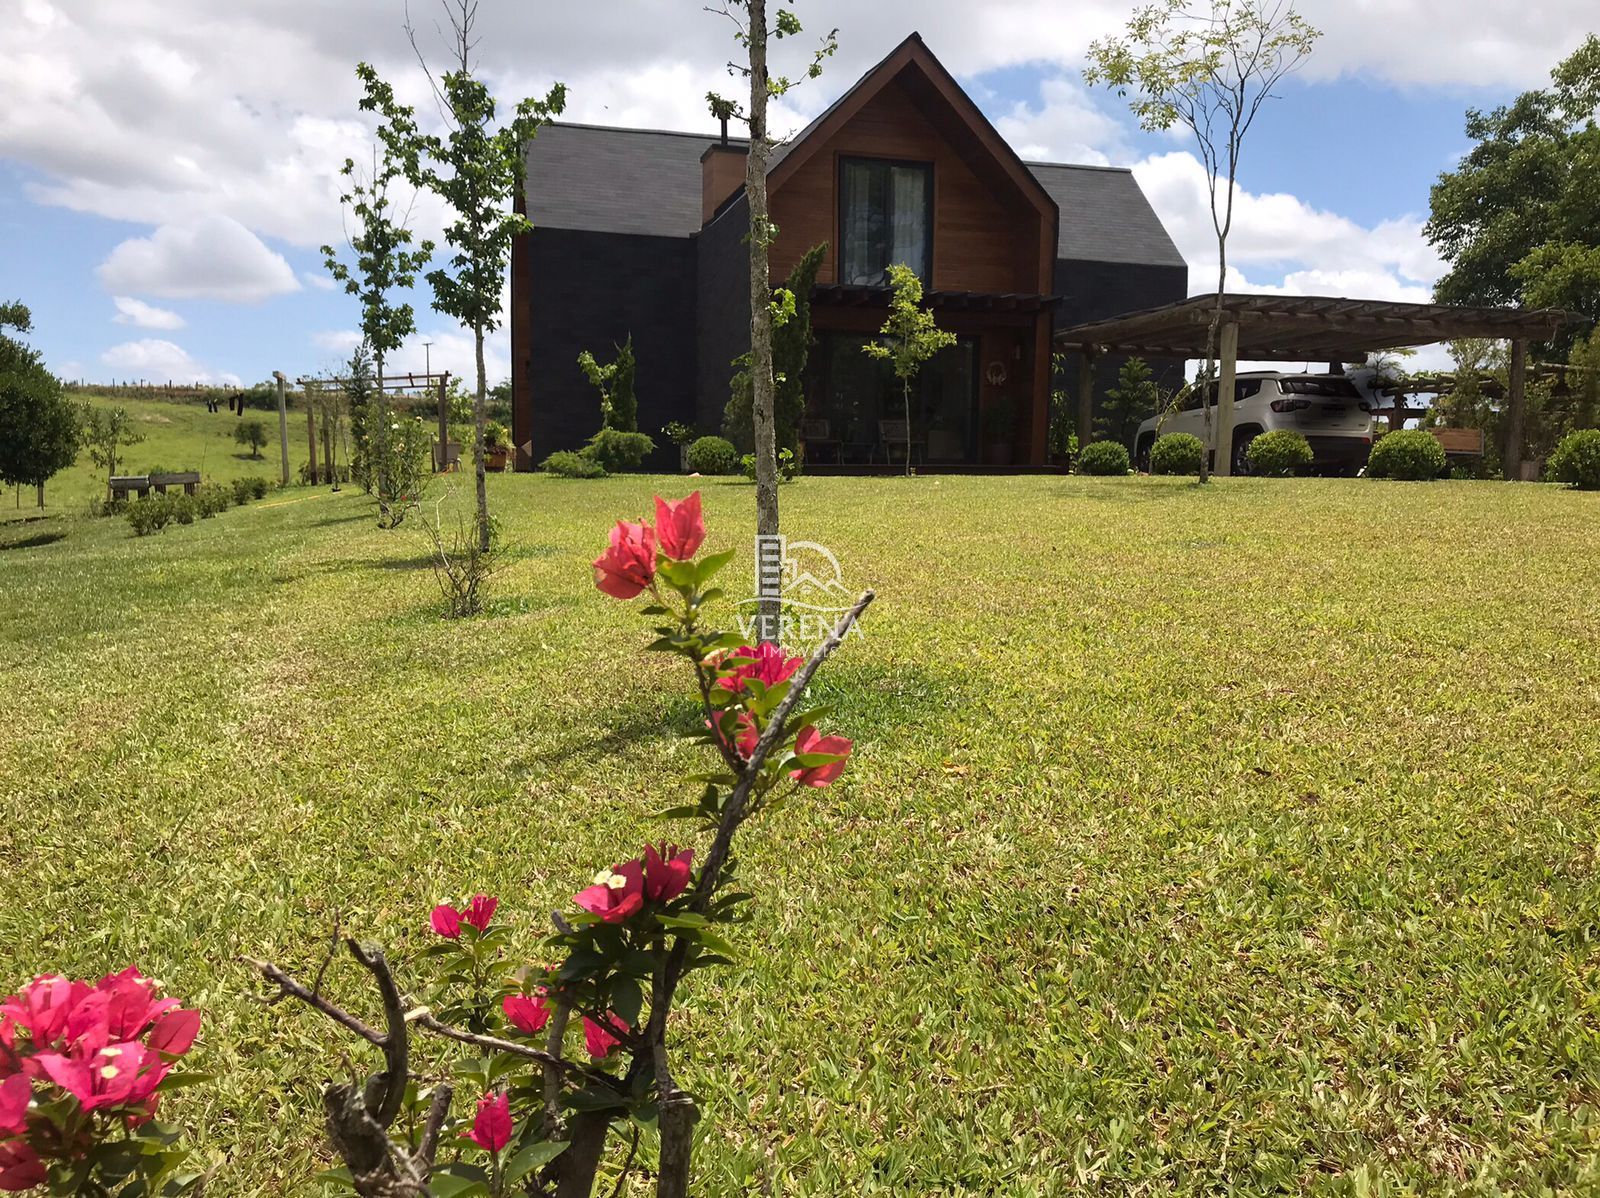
[[543, 1116]]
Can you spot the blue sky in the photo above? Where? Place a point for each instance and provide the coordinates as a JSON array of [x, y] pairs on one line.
[[190, 174]]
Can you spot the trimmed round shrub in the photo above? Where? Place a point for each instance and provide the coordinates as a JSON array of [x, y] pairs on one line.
[[259, 488], [241, 491], [1103, 458], [563, 463], [184, 508], [1410, 455], [1279, 454], [713, 455], [1576, 460], [1177, 453], [212, 498], [617, 450], [150, 514]]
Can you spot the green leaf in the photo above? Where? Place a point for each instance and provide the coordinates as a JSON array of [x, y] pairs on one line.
[[179, 1081], [709, 566], [534, 1156], [627, 999], [458, 1181], [687, 920]]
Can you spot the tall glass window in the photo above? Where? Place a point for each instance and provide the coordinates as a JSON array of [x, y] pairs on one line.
[[885, 218]]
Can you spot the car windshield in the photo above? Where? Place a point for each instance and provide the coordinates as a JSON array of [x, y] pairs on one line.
[[1327, 388]]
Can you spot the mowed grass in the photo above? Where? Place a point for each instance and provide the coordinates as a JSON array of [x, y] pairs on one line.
[[1239, 839], [178, 436]]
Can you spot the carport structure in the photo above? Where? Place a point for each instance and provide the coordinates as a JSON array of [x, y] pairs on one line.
[[1302, 328]]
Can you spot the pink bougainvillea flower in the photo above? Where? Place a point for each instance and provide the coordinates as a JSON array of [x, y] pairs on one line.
[[746, 734], [480, 910], [679, 527], [20, 1167], [491, 1126], [616, 894], [598, 1040], [174, 1031], [666, 872], [122, 1006], [811, 741], [770, 666], [446, 921], [119, 1074], [527, 1015], [15, 1093], [628, 565], [477, 913], [43, 1007]]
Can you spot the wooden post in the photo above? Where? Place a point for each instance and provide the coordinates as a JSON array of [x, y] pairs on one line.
[[1086, 365], [1516, 414], [311, 438], [1225, 386], [444, 424], [283, 425]]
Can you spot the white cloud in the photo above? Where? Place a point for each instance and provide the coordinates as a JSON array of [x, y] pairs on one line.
[[214, 258], [144, 316], [317, 280], [155, 360], [1067, 126]]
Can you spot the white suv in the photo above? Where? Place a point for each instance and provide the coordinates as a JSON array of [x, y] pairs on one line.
[[1327, 409]]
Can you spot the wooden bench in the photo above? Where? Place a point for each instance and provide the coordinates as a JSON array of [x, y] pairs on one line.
[[123, 485]]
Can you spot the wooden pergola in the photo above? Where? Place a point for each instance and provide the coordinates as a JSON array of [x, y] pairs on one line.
[[1302, 328]]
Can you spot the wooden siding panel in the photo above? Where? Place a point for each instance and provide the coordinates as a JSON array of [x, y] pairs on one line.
[[984, 239]]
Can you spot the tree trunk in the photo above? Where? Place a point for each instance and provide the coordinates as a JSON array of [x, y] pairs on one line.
[[577, 1166], [1212, 332], [906, 388], [41, 496], [761, 383], [479, 400]]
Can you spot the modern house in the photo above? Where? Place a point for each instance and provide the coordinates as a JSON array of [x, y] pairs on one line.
[[642, 233]]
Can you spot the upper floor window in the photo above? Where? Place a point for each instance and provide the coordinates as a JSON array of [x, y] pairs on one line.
[[885, 218]]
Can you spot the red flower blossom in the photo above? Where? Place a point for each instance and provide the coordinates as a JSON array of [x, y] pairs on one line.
[[616, 894], [679, 527], [770, 666], [20, 1167], [811, 741], [491, 1127], [598, 1039], [666, 873], [122, 1074], [447, 920], [43, 1007], [746, 734], [174, 1032], [527, 1015], [15, 1093], [628, 565]]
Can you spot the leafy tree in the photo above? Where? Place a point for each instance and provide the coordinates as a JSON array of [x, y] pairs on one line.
[[1135, 397], [384, 264], [791, 349], [40, 429], [477, 169], [749, 19], [106, 433], [1519, 219], [910, 337], [252, 433], [358, 397], [1208, 65], [619, 406]]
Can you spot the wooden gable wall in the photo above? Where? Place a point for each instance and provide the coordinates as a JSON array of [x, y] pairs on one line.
[[986, 237]]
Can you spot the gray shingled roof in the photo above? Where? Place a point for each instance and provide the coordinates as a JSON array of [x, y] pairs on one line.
[[648, 181], [1105, 216]]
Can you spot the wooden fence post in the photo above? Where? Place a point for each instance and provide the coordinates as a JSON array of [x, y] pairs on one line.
[[311, 438], [283, 425], [1516, 414]]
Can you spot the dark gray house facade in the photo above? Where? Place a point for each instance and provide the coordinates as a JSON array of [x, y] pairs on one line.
[[641, 233]]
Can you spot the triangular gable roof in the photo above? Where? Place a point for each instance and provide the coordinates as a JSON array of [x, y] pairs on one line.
[[913, 53]]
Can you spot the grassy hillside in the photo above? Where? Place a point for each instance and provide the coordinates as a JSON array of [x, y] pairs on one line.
[[177, 437], [1239, 840]]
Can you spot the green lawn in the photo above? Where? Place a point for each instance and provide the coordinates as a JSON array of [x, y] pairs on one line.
[[178, 436], [1240, 839]]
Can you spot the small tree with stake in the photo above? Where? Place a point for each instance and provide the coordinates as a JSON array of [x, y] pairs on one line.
[[477, 169], [106, 433], [1208, 65], [910, 337], [542, 1118], [384, 263]]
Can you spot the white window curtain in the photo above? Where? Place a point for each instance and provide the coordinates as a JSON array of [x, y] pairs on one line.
[[909, 206]]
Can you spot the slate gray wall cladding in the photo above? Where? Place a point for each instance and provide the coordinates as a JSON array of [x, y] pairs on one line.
[[723, 285], [590, 291], [1097, 290]]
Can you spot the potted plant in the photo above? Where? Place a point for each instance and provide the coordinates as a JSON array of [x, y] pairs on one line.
[[999, 430], [682, 435], [496, 445]]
